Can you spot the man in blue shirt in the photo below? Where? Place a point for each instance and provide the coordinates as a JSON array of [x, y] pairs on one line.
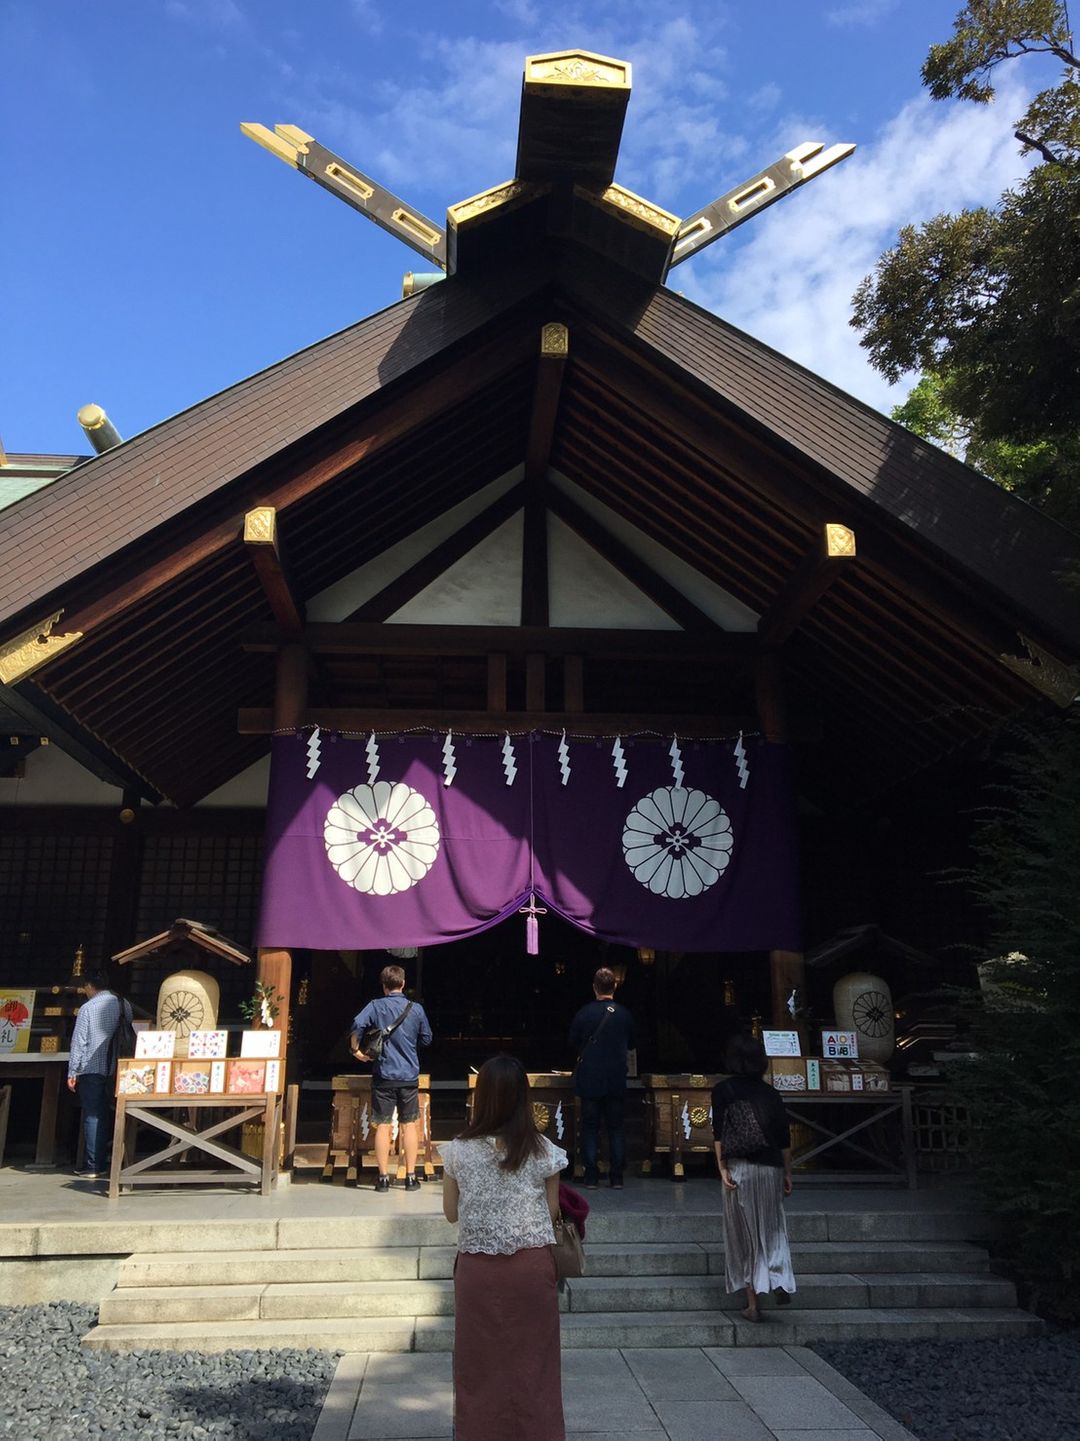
[[92, 1066], [395, 1077]]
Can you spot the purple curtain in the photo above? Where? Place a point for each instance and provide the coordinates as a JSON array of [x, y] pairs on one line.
[[694, 852]]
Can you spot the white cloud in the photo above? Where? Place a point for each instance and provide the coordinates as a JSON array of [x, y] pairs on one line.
[[790, 278], [214, 14], [861, 12]]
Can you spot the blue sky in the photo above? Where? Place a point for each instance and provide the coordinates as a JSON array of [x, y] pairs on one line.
[[153, 255]]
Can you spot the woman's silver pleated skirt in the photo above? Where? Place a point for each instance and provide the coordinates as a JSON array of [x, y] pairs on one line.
[[756, 1250]]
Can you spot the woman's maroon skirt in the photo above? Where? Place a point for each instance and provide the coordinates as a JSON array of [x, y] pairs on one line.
[[507, 1364]]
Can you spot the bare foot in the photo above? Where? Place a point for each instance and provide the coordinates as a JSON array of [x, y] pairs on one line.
[[749, 1315]]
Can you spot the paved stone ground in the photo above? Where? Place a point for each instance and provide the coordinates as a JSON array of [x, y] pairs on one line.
[[757, 1394]]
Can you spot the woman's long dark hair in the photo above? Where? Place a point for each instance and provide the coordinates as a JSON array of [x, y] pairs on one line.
[[502, 1108]]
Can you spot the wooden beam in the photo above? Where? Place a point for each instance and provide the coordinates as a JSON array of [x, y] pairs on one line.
[[368, 638], [346, 719], [769, 694], [551, 366], [429, 567], [261, 540], [534, 563], [535, 682], [809, 582], [661, 592], [275, 969], [496, 681], [281, 484], [290, 690], [573, 683], [554, 348]]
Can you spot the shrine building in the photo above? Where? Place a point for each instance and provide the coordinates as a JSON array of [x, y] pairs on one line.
[[500, 572]]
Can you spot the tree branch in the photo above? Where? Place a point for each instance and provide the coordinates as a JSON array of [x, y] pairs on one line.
[[1039, 145]]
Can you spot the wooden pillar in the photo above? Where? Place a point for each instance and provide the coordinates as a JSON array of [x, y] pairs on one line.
[[275, 969], [290, 703], [290, 689], [125, 874], [787, 969]]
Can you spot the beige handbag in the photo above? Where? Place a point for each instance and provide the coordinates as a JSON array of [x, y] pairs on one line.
[[568, 1251]]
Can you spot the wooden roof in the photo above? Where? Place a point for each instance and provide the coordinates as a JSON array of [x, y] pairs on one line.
[[724, 452]]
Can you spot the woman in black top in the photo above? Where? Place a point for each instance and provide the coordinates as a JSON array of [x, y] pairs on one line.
[[753, 1151]]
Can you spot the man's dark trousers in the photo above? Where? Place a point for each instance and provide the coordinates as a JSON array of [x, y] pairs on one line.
[[609, 1110]]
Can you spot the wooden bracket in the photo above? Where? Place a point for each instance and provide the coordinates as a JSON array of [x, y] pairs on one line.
[[809, 581], [260, 537]]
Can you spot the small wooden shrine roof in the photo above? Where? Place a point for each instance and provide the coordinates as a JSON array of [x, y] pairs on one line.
[[181, 937]]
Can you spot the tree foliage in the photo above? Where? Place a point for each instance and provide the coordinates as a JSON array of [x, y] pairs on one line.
[[989, 299], [1020, 1087]]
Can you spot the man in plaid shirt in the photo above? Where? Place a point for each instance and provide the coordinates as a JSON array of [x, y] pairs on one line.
[[92, 1067]]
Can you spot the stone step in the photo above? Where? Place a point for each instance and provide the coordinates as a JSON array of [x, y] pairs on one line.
[[401, 1228], [611, 1329], [324, 1300], [402, 1263], [828, 1292]]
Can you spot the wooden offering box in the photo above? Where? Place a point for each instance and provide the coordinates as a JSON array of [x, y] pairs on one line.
[[678, 1118], [352, 1133], [555, 1109]]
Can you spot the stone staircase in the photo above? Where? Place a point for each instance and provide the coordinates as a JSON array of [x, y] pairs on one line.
[[655, 1279]]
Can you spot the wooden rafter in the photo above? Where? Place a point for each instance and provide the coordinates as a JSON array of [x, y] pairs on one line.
[[370, 638], [428, 568], [820, 567], [383, 427], [261, 541], [640, 574]]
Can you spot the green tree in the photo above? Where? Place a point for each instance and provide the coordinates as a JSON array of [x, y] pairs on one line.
[[1043, 472], [1024, 1106], [988, 300]]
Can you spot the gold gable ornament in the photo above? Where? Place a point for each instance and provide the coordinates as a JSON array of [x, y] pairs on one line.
[[31, 648]]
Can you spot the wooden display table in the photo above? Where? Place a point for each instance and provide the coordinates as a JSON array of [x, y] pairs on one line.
[[352, 1133], [556, 1111], [678, 1118], [51, 1068], [219, 1115], [884, 1111]]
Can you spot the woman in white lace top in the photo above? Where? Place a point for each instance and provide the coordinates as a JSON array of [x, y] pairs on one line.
[[501, 1185]]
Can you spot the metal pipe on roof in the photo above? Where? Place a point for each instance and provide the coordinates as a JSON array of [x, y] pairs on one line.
[[417, 280], [99, 429]]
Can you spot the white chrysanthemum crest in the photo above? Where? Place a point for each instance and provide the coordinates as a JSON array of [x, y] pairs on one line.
[[676, 763], [741, 763], [372, 749], [313, 749], [564, 758], [509, 759], [618, 756], [449, 759]]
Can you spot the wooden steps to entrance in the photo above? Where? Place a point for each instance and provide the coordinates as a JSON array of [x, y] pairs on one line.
[[922, 1278]]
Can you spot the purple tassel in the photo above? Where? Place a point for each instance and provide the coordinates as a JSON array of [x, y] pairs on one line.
[[532, 913]]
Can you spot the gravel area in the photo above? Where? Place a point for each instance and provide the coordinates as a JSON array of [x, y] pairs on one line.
[[55, 1391], [1023, 1389]]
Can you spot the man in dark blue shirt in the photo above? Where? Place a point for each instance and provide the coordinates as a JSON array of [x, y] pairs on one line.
[[395, 1076], [601, 1034]]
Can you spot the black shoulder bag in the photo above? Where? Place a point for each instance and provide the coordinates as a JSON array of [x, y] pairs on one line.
[[609, 1011], [373, 1038]]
